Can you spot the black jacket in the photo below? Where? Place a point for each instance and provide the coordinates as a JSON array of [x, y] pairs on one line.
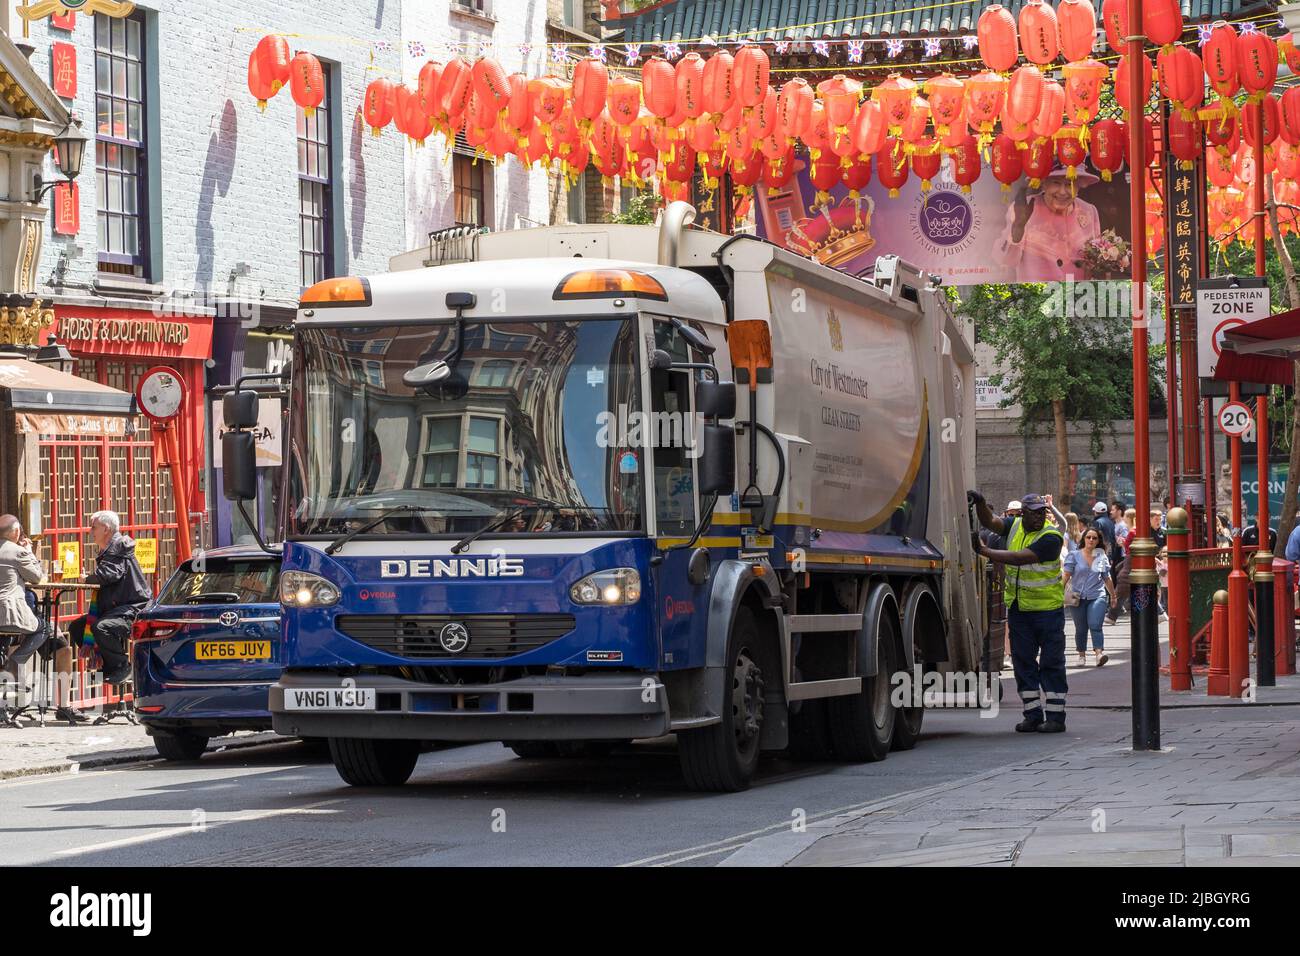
[[121, 582]]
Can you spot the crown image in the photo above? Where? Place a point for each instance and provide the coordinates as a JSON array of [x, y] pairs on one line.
[[835, 236], [945, 219]]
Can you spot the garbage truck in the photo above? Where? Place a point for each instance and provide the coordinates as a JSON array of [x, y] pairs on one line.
[[571, 487]]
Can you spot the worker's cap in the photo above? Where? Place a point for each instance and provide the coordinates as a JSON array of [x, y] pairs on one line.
[[1033, 503], [1099, 508], [1013, 505]]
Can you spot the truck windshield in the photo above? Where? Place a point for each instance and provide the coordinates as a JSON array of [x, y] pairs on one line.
[[528, 421]]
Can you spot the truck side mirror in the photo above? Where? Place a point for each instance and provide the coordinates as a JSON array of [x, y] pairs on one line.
[[715, 399], [239, 409], [660, 360], [239, 465], [718, 460]]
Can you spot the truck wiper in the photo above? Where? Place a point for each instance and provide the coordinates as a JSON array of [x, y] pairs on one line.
[[386, 513], [470, 538]]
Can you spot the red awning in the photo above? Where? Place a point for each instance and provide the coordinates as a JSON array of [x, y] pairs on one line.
[[1261, 351]]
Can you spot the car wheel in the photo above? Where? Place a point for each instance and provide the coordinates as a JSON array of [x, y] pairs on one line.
[[180, 746]]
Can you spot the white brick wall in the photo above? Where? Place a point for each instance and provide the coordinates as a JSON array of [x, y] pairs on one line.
[[229, 173]]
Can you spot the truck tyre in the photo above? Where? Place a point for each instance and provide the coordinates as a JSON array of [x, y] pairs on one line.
[[722, 758], [810, 734], [907, 727], [363, 762], [534, 749], [862, 724], [180, 746]]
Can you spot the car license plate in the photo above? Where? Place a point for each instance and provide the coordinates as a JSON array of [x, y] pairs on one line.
[[330, 698], [232, 650]]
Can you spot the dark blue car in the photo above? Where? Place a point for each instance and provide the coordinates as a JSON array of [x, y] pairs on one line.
[[208, 649]]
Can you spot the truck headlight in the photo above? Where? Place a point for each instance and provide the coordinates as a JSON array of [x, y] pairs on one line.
[[616, 586], [304, 589]]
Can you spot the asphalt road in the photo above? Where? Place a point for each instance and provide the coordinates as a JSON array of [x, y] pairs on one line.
[[482, 805]]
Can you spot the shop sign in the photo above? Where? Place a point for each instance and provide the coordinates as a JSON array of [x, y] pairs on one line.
[[132, 332]]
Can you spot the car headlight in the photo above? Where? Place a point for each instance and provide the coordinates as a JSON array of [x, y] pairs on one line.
[[304, 589], [616, 586]]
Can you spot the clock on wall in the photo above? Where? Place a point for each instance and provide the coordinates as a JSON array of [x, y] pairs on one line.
[[160, 393]]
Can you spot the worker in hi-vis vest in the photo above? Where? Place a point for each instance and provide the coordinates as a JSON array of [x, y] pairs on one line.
[[1035, 601]]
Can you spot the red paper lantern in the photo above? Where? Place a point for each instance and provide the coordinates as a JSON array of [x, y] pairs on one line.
[[749, 74], [690, 85], [1051, 110], [1220, 57], [377, 105], [272, 53], [1256, 63], [1114, 16], [659, 86], [426, 87], [946, 94], [1288, 160], [491, 85], [1218, 168], [895, 96], [763, 118], [856, 175], [258, 85], [1106, 147], [1162, 21], [1123, 91], [1038, 32], [1182, 77], [869, 128], [818, 136], [682, 166], [965, 159], [306, 82], [1222, 133], [703, 137], [590, 88], [1151, 135], [985, 95], [1286, 46], [1083, 88], [746, 169], [891, 167], [604, 135], [1039, 159], [840, 96], [1024, 98], [519, 114], [719, 90], [453, 90], [1006, 161], [418, 123], [914, 126], [926, 161], [996, 33], [1289, 110], [1185, 137], [793, 107], [624, 100], [1272, 122], [549, 95], [1070, 151], [1076, 22], [712, 166], [825, 174]]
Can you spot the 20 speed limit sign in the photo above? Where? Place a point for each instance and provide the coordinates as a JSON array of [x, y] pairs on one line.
[[1236, 419]]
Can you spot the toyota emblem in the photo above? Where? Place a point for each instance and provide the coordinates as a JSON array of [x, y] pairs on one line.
[[454, 637], [229, 618]]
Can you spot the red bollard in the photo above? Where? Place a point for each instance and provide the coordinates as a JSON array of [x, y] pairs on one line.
[[1216, 684], [1283, 617]]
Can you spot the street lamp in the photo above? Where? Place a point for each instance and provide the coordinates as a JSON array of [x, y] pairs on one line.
[[56, 355], [70, 149]]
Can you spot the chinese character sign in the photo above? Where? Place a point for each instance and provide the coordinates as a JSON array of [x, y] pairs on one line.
[[63, 70], [67, 209], [1183, 209]]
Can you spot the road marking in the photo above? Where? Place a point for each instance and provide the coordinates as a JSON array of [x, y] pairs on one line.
[[247, 817]]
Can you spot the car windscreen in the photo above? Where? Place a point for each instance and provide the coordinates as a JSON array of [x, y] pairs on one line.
[[223, 581]]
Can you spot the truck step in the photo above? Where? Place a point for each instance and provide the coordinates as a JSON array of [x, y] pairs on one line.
[[811, 689], [807, 623]]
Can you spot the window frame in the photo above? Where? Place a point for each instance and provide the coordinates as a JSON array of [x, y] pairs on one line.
[[316, 134], [138, 265]]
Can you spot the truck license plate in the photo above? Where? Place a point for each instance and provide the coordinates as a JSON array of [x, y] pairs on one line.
[[330, 698]]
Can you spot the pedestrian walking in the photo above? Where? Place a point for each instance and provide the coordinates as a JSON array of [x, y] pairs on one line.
[[1162, 571], [1222, 530], [1035, 598], [1089, 591]]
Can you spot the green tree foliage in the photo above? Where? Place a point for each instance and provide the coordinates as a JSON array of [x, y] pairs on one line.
[[640, 210]]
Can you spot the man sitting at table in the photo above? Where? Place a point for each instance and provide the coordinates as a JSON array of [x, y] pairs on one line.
[[123, 593]]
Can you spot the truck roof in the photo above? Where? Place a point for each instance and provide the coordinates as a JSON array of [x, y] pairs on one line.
[[525, 289]]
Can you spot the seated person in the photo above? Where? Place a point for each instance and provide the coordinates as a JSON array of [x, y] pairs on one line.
[[123, 593]]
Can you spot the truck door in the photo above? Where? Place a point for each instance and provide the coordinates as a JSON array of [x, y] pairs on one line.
[[681, 606]]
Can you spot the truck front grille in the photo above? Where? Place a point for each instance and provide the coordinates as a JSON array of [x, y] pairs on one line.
[[491, 636]]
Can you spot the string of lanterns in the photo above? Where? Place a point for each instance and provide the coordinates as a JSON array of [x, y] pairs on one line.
[[722, 114]]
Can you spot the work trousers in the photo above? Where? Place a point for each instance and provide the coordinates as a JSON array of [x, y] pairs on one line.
[[1038, 656]]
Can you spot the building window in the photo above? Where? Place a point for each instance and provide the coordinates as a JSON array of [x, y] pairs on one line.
[[119, 144], [447, 438], [477, 6], [470, 182], [315, 193], [483, 453], [577, 196], [441, 452], [494, 373], [370, 372], [573, 14]]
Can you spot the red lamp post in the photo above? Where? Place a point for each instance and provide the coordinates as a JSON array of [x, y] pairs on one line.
[[1264, 664]]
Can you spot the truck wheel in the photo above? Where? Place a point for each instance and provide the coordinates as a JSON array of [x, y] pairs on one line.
[[723, 757], [180, 746], [907, 727], [810, 735], [363, 762], [533, 749], [862, 725]]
